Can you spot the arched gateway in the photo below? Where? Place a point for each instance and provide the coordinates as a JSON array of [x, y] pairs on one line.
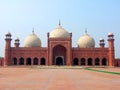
[[59, 55]]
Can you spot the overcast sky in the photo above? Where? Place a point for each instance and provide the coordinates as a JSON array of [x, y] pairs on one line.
[[99, 16]]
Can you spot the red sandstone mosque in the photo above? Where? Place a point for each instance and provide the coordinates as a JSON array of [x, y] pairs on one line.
[[59, 50]]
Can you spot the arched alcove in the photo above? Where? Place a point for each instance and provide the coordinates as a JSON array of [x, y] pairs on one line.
[[59, 51]]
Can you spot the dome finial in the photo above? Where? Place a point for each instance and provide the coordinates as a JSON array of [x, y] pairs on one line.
[[59, 23], [33, 30], [85, 30]]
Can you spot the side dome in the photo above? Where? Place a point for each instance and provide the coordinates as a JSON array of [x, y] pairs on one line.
[[32, 41], [59, 32], [86, 41]]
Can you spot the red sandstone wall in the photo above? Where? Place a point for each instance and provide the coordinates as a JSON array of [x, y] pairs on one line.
[[28, 53], [90, 53], [117, 62], [1, 61]]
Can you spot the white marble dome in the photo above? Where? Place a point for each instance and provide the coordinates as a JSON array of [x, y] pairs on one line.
[[110, 33], [86, 41], [32, 41], [59, 32]]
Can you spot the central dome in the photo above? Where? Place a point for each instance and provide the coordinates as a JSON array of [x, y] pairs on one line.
[[59, 32], [32, 41], [86, 41]]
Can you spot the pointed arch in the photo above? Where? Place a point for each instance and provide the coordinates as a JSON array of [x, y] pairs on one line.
[[90, 61], [75, 61], [28, 61], [97, 61], [59, 51], [83, 61], [21, 61], [35, 61], [104, 61], [42, 61], [14, 61], [59, 60]]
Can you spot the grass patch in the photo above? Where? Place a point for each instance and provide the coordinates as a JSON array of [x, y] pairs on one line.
[[118, 73]]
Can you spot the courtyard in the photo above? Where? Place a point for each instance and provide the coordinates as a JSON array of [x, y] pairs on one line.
[[57, 78]]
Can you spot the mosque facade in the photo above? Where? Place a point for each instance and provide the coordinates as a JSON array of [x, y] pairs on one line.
[[59, 50]]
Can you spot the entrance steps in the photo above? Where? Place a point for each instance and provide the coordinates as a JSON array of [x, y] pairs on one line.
[[57, 67], [54, 67]]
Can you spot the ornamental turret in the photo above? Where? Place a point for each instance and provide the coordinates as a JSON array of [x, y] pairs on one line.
[[102, 43], [17, 43]]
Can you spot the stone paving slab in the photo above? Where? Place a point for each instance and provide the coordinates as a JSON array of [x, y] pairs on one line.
[[15, 78], [113, 69]]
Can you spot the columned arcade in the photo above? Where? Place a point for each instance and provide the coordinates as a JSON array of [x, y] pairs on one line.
[[90, 62], [28, 61]]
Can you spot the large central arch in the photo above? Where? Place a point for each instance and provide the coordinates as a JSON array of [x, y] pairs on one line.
[[59, 55]]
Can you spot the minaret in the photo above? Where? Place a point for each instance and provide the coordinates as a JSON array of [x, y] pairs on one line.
[[111, 49], [102, 43], [7, 49], [17, 42]]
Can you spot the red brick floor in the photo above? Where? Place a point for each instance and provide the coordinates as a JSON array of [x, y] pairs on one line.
[[115, 69], [14, 78]]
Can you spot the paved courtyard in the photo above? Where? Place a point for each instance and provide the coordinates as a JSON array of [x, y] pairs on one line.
[[27, 78]]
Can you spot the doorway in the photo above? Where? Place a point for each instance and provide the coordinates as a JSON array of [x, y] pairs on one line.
[[42, 61], [59, 60], [75, 61]]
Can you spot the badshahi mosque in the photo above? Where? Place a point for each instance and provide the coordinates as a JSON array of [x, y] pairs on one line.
[[59, 50]]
